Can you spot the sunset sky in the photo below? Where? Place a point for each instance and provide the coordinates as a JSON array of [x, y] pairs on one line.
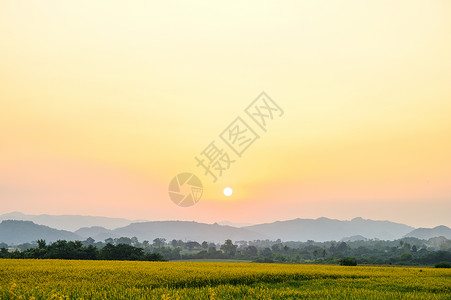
[[102, 103]]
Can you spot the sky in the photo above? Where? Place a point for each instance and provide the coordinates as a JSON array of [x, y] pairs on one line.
[[102, 103]]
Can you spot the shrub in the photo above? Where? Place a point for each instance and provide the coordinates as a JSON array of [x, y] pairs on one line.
[[348, 261], [443, 265]]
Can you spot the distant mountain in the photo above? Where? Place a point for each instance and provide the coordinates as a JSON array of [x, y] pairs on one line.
[[68, 222], [321, 229], [17, 232], [233, 224], [427, 233], [185, 230], [324, 229], [98, 233]]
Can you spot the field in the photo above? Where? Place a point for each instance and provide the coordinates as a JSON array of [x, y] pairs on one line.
[[64, 279]]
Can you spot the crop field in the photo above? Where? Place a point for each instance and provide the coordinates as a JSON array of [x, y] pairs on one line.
[[71, 279]]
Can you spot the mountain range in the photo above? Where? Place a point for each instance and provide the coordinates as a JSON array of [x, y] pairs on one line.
[[19, 228], [68, 222], [324, 229]]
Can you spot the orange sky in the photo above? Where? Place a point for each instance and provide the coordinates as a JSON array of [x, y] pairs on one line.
[[101, 104]]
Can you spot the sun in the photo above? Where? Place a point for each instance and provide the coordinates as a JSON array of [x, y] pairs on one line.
[[228, 191]]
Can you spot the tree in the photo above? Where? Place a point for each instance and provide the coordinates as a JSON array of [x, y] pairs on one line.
[[211, 250], [89, 241], [123, 240], [90, 252], [158, 242], [229, 248], [276, 247], [251, 250], [342, 247], [153, 257], [406, 256], [77, 244], [121, 252], [191, 245], [443, 265], [241, 244], [135, 241], [315, 253], [266, 252], [4, 252], [205, 245], [41, 244]]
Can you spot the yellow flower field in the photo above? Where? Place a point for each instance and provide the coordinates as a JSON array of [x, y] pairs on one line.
[[70, 279]]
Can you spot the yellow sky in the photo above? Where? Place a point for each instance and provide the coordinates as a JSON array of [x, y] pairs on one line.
[[103, 102]]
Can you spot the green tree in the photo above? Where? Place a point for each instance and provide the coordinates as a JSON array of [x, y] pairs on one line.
[[123, 240], [41, 244], [251, 250], [315, 253], [158, 242], [229, 248]]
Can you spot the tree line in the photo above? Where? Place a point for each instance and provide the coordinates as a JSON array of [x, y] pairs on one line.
[[76, 250], [407, 251]]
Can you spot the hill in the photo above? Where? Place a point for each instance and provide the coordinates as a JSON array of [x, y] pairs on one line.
[[324, 229], [320, 230], [427, 233], [185, 230], [16, 232], [98, 233], [68, 222]]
